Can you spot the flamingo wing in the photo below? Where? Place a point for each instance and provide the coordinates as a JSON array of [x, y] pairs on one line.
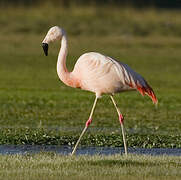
[[133, 79]]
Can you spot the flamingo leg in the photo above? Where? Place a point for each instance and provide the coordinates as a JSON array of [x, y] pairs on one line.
[[86, 125], [121, 122]]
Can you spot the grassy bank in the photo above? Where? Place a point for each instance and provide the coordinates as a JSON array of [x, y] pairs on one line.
[[52, 166], [111, 139], [32, 98]]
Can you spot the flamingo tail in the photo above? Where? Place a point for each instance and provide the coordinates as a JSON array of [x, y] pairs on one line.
[[148, 91]]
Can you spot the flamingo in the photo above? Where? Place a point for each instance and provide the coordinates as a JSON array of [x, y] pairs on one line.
[[97, 73]]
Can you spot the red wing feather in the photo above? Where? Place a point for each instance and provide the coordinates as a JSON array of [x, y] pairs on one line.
[[147, 90]]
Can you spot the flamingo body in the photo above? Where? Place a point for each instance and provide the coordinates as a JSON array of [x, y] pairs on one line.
[[103, 75]]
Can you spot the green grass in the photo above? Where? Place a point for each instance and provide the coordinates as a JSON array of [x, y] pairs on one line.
[[53, 166], [39, 136], [34, 101]]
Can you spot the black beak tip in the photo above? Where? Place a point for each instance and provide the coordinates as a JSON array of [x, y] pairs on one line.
[[45, 48]]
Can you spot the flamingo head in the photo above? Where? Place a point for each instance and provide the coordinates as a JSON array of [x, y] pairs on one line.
[[54, 33]]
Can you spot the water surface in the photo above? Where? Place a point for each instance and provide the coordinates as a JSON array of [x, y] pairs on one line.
[[65, 150]]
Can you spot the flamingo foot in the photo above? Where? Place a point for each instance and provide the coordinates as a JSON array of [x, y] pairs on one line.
[[121, 118], [88, 122]]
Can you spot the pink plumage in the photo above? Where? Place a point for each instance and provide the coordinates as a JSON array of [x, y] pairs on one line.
[[104, 75]]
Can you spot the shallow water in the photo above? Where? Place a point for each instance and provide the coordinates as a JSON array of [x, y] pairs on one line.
[[65, 150]]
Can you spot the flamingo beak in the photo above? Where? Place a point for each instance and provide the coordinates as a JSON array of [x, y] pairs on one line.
[[45, 48]]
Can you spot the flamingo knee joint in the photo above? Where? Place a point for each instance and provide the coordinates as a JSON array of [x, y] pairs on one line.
[[88, 122], [121, 118]]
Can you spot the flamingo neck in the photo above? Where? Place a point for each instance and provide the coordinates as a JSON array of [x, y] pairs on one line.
[[62, 71], [65, 76]]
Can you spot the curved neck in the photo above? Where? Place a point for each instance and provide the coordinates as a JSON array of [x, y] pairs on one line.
[[67, 77], [62, 71]]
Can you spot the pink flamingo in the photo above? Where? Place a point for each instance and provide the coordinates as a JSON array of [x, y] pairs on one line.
[[97, 73]]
